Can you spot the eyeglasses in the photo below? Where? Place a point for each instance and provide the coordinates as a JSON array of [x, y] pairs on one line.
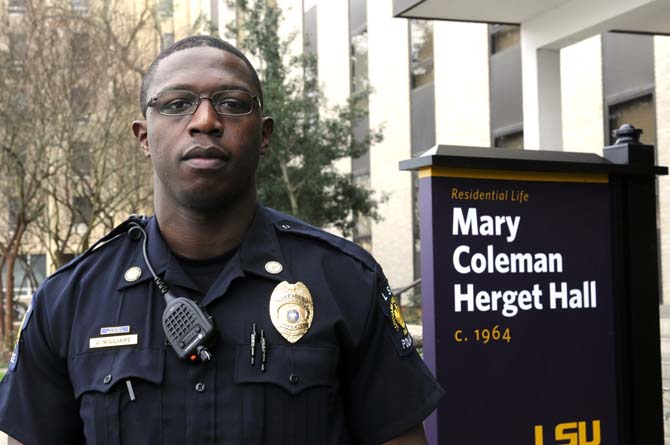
[[184, 102]]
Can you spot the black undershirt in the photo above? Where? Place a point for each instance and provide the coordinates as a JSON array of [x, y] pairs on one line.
[[205, 272]]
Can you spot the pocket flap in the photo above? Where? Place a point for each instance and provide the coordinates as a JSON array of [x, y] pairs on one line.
[[294, 368], [100, 370]]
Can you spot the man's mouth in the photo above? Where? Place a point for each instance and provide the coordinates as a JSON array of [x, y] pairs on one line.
[[204, 157]]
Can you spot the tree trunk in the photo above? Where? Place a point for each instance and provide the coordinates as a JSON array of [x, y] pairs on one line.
[[289, 189], [2, 303], [10, 261]]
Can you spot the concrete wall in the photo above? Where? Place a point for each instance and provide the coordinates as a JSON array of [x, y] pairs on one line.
[[333, 50], [462, 109], [662, 79], [332, 24], [582, 96], [388, 46]]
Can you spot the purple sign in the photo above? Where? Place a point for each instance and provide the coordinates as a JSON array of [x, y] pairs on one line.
[[518, 309]]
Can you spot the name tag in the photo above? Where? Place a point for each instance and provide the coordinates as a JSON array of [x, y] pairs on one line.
[[116, 340]]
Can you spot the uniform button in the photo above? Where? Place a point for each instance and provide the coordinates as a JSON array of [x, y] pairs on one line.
[[285, 226], [108, 378], [133, 274], [200, 387], [273, 267], [293, 379]]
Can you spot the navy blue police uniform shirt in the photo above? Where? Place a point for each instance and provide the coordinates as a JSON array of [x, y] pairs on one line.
[[353, 378]]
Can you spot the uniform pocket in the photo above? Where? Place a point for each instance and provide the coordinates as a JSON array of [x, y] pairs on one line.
[[295, 400], [293, 368], [114, 411]]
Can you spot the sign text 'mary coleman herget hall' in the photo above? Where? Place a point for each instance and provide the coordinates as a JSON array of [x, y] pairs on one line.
[[468, 223]]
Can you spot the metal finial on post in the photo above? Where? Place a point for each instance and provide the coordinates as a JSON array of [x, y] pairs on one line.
[[627, 134], [628, 149]]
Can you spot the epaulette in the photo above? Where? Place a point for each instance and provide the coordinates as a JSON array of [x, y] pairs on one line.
[[289, 224], [115, 233]]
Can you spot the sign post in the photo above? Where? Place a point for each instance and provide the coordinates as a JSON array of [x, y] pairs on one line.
[[526, 325]]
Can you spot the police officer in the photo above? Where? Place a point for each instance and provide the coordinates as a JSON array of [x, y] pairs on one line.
[[307, 346]]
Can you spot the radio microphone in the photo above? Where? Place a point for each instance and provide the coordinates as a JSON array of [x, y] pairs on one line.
[[188, 328]]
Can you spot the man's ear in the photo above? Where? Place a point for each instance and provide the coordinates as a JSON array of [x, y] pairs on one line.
[[140, 130], [267, 127]]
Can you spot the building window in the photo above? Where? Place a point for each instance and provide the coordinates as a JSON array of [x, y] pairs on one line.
[[421, 52], [638, 112], [359, 69], [82, 210], [165, 8], [363, 226], [509, 140], [310, 50], [14, 208], [310, 31], [416, 225], [505, 89], [18, 49], [79, 104], [80, 6], [360, 167], [16, 6], [81, 47], [503, 37], [80, 158], [167, 39], [29, 272]]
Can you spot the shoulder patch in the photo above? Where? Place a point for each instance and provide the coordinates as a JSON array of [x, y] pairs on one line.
[[14, 360], [390, 306]]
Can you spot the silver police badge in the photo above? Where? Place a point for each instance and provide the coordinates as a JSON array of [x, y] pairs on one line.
[[291, 310]]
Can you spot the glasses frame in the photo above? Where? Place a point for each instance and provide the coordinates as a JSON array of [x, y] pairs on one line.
[[153, 102]]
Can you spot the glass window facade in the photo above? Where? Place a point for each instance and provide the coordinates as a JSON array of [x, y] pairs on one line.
[[82, 210], [359, 68], [638, 112], [421, 52], [29, 272], [504, 37], [510, 140], [16, 6], [167, 39], [80, 158], [358, 71], [80, 6]]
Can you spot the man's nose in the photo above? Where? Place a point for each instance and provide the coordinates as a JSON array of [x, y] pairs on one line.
[[205, 119]]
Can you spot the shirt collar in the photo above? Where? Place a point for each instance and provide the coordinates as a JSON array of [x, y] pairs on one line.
[[259, 247], [258, 254], [162, 261]]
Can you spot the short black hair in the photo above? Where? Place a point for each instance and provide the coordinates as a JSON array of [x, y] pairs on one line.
[[193, 42]]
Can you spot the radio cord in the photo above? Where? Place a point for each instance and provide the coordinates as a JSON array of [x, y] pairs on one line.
[[162, 286]]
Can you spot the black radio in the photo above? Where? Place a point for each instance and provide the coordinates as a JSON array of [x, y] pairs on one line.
[[188, 328]]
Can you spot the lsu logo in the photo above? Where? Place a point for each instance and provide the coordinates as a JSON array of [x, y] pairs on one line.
[[396, 316], [571, 433]]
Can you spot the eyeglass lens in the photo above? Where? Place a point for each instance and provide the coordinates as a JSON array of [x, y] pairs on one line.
[[182, 102]]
